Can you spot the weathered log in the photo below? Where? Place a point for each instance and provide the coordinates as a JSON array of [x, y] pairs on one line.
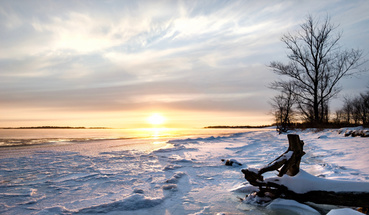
[[292, 165], [352, 199], [288, 166], [289, 161]]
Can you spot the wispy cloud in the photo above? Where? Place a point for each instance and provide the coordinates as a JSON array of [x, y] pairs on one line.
[[182, 55]]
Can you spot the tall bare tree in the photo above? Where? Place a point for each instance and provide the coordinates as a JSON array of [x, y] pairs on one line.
[[316, 65]]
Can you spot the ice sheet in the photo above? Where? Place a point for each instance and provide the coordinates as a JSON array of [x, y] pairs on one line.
[[185, 176]]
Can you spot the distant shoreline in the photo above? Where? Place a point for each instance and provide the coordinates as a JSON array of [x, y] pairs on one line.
[[241, 126], [81, 127], [54, 127]]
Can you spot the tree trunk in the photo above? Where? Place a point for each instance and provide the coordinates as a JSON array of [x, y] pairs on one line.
[[352, 199], [316, 107]]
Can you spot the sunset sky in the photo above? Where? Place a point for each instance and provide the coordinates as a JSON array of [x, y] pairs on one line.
[[115, 63]]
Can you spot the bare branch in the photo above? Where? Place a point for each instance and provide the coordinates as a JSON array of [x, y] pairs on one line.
[[316, 65]]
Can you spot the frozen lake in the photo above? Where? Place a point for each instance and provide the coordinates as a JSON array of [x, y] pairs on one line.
[[157, 172]]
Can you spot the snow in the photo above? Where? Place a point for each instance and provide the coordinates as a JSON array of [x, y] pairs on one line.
[[286, 156], [304, 182], [180, 176], [344, 211], [292, 206]]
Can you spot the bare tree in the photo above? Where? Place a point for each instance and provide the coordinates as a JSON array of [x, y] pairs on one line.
[[347, 109], [361, 108], [365, 104], [339, 116], [316, 65], [282, 105], [356, 110]]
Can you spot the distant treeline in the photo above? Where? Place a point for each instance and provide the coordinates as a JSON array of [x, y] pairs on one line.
[[241, 126], [332, 125], [55, 127]]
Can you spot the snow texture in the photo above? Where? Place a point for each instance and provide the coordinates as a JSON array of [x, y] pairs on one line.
[[183, 176], [303, 182]]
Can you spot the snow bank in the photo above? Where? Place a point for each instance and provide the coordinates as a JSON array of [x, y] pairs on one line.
[[354, 131], [303, 182]]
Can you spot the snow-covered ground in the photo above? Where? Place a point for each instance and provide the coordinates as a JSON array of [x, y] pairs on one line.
[[184, 176]]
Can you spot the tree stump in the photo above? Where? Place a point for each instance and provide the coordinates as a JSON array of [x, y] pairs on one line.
[[289, 164], [292, 166], [289, 161]]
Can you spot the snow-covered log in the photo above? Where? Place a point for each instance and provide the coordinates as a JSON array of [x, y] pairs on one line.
[[293, 183], [288, 162]]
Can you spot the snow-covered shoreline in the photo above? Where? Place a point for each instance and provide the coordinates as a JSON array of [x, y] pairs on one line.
[[186, 177]]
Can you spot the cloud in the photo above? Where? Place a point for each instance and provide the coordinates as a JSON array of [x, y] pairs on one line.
[[131, 55]]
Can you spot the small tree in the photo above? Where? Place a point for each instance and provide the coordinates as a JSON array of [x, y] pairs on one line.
[[356, 110], [347, 110], [316, 65], [361, 108], [282, 105], [339, 117]]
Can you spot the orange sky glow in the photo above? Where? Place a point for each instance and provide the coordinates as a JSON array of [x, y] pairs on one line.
[[115, 63]]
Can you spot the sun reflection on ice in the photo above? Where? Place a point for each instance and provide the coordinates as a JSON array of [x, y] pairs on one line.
[[157, 133], [160, 136]]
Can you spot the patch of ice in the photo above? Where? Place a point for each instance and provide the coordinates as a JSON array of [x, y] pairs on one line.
[[254, 199], [132, 202], [283, 206], [53, 210], [344, 211], [245, 188]]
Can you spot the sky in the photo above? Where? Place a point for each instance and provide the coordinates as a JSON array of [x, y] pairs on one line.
[[114, 63]]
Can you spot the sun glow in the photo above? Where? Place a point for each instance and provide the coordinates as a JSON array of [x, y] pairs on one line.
[[156, 119]]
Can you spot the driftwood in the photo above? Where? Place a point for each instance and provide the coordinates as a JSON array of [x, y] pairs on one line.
[[288, 166]]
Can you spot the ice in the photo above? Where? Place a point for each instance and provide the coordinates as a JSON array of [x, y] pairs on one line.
[[285, 206], [183, 176], [344, 211], [133, 202], [244, 188]]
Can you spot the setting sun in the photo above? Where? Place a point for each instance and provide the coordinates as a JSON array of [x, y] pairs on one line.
[[156, 119]]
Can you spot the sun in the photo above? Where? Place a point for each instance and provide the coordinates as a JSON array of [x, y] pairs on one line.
[[156, 119]]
